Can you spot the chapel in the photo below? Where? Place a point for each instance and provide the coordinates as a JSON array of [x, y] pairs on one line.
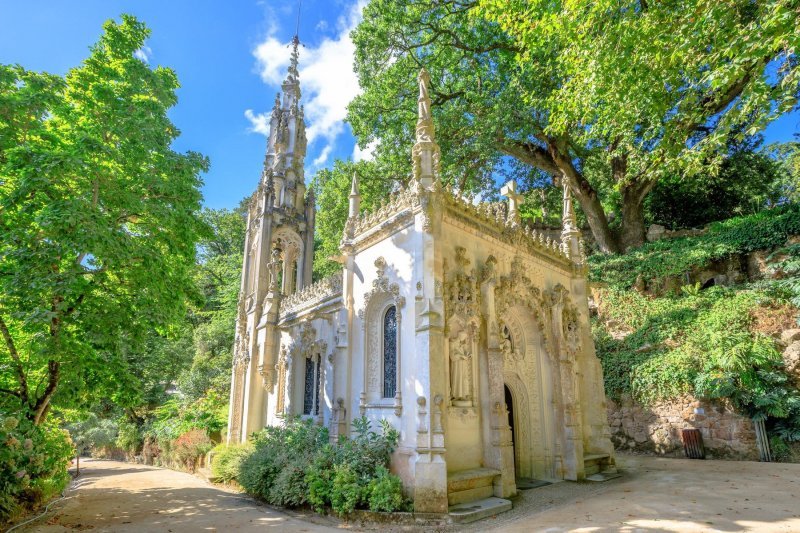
[[465, 329]]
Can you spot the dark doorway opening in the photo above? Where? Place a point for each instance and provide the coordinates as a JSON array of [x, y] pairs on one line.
[[510, 408]]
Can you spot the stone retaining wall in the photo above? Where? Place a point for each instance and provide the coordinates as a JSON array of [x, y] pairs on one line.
[[657, 428]]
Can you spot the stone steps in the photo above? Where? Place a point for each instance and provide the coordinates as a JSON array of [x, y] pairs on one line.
[[464, 513], [596, 467], [470, 485]]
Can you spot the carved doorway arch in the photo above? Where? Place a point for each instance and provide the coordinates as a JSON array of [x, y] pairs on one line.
[[528, 372], [510, 408], [520, 422]]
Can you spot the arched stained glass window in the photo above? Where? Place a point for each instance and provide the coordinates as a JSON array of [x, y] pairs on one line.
[[308, 390], [390, 352]]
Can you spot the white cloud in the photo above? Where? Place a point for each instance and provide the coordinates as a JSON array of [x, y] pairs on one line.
[[326, 79], [323, 155], [259, 122], [322, 25], [367, 154], [143, 54]]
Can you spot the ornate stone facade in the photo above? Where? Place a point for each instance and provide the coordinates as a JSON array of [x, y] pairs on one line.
[[465, 329]]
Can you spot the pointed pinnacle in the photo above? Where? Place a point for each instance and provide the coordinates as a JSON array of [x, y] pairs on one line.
[[354, 186]]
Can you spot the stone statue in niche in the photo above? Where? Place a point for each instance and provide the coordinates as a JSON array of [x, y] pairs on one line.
[[511, 353], [273, 269], [460, 370]]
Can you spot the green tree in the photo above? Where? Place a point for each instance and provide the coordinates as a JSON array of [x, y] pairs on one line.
[[748, 180], [503, 86], [332, 188], [205, 385], [659, 85], [99, 218], [788, 156]]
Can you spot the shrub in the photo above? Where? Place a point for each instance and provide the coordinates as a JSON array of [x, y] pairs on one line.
[[275, 470], [319, 477], [92, 433], [294, 464], [33, 463], [347, 491], [190, 447], [226, 461], [705, 344], [766, 230], [129, 437], [385, 491]]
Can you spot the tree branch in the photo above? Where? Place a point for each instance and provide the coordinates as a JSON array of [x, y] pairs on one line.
[[12, 348], [40, 408], [530, 153]]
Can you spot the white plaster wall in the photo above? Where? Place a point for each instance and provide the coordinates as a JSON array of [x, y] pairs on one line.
[[399, 252]]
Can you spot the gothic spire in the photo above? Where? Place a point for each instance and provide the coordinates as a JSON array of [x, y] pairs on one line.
[[426, 153], [355, 197], [570, 234]]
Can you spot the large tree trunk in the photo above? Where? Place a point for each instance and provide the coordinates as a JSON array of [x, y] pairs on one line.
[[633, 232], [587, 197], [595, 216]]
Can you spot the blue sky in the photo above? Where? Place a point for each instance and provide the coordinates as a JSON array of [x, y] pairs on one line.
[[230, 58]]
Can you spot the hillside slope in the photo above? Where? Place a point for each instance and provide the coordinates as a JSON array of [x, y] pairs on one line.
[[705, 322]]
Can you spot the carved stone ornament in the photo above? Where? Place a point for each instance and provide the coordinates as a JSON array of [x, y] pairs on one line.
[[461, 293], [571, 329], [318, 292], [242, 351], [381, 286], [510, 344], [517, 289], [281, 369]]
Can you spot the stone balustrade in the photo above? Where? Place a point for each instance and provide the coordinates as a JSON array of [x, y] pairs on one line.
[[316, 293]]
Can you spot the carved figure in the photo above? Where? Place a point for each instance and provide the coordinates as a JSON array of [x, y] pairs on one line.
[[460, 359]]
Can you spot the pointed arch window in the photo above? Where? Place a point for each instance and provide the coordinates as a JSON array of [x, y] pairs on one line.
[[390, 352], [311, 386]]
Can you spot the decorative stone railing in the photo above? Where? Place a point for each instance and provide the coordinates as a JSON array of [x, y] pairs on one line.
[[495, 214], [315, 293], [492, 214], [398, 201]]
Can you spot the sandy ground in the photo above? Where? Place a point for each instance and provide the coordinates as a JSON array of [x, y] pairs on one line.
[[663, 494], [114, 496], [653, 495]]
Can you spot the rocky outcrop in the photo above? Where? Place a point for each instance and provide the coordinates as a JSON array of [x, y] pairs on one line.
[[657, 428], [791, 355]]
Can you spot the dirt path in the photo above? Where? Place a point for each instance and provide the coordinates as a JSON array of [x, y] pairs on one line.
[[113, 496], [654, 495]]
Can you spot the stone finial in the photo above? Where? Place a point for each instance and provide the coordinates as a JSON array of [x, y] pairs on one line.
[[570, 234], [425, 127], [355, 197], [294, 59], [515, 199], [425, 154]]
